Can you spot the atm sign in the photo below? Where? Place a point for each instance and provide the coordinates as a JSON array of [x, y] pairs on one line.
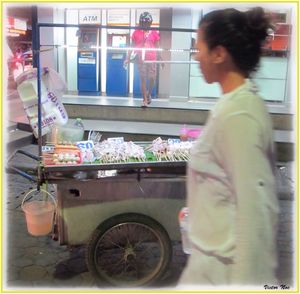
[[90, 16]]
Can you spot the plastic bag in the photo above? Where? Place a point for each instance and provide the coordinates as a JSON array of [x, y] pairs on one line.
[[52, 89], [134, 57], [54, 82]]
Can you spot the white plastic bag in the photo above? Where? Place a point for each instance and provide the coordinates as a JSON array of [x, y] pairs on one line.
[[52, 89]]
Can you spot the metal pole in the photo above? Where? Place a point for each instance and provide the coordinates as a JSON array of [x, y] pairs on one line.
[[61, 25], [39, 97], [171, 62], [36, 64], [34, 22]]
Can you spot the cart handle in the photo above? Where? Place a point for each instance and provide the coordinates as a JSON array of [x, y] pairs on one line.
[[21, 173], [28, 154]]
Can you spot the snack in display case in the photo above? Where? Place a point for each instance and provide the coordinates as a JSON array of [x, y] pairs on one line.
[[63, 155], [117, 151], [171, 150]]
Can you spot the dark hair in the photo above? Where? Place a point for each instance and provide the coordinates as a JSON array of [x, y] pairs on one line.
[[145, 18], [241, 33]]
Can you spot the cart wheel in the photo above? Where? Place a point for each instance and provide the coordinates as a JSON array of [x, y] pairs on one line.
[[129, 250]]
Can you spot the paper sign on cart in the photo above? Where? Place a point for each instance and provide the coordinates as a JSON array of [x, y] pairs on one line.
[[85, 145], [116, 140], [47, 149], [173, 141]]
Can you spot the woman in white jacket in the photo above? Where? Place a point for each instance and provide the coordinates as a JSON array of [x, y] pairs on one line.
[[231, 184]]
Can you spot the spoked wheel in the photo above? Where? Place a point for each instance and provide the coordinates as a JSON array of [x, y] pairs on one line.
[[129, 250]]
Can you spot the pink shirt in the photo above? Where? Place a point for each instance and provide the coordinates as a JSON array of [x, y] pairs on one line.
[[143, 39]]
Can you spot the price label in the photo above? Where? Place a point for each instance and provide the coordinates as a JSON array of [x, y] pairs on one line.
[[46, 149], [173, 141], [85, 145], [116, 140]]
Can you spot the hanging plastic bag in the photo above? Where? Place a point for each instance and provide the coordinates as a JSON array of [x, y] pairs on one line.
[[52, 89], [134, 57]]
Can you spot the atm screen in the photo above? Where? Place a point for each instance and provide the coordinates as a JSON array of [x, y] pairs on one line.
[[89, 37], [119, 41]]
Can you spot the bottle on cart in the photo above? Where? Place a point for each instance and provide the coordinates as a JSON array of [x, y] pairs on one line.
[[183, 217], [78, 124]]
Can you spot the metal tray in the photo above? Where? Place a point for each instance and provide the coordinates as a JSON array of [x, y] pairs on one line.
[[91, 170]]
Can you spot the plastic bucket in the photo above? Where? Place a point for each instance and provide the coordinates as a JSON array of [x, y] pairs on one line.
[[39, 214]]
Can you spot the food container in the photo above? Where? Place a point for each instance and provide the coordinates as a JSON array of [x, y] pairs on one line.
[[68, 133], [63, 155], [66, 154]]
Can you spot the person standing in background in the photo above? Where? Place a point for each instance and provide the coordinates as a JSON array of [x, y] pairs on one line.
[[232, 198], [145, 40]]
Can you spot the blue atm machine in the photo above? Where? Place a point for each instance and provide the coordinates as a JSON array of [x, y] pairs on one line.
[[88, 62], [117, 78]]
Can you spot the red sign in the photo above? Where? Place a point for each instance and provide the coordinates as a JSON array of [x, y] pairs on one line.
[[15, 25]]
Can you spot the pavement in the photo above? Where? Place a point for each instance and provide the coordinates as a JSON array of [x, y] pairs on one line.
[[40, 262]]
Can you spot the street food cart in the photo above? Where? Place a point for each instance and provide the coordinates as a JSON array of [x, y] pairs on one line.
[[125, 213]]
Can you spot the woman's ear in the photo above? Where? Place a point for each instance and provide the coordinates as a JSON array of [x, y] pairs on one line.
[[219, 54]]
